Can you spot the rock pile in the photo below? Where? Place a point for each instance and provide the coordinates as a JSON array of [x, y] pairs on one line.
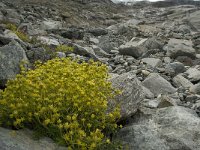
[[153, 56]]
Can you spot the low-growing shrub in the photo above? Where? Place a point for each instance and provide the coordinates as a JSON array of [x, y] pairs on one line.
[[20, 34], [64, 48], [64, 100]]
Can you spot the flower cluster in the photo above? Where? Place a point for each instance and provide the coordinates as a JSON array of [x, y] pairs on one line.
[[67, 99]]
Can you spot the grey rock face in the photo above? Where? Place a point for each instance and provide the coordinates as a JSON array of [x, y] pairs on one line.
[[132, 93], [158, 85], [195, 20], [179, 80], [134, 48], [195, 88], [153, 62], [179, 47], [168, 128], [193, 74], [175, 68], [22, 140], [11, 56]]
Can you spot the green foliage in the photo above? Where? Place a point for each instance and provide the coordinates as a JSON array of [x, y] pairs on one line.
[[21, 35], [64, 48], [65, 100]]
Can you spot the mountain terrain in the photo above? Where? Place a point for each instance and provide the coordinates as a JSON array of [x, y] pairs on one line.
[[152, 51]]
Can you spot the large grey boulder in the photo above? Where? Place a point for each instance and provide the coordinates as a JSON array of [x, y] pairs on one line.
[[23, 140], [134, 48], [158, 85], [170, 128], [11, 56], [132, 93], [179, 47]]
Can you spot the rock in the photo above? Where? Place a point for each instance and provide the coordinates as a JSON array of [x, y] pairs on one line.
[[73, 33], [99, 52], [175, 68], [132, 93], [193, 74], [11, 56], [195, 88], [179, 80], [134, 48], [178, 47], [147, 93], [168, 128], [48, 40], [194, 20], [158, 85], [84, 51], [98, 31], [153, 62], [51, 24], [22, 140], [165, 101], [36, 54]]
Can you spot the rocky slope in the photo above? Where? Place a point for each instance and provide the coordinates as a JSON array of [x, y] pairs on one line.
[[153, 55]]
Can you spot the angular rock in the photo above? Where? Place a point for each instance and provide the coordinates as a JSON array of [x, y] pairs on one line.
[[11, 56], [195, 88], [132, 93], [175, 68], [179, 80], [23, 140], [98, 31], [170, 128], [51, 24], [153, 62], [158, 85], [193, 74], [178, 47], [134, 48]]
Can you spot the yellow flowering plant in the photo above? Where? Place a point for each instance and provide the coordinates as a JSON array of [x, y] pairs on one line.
[[64, 100]]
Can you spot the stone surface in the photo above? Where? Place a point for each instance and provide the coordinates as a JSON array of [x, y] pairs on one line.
[[179, 80], [134, 48], [11, 56], [23, 140], [175, 68], [158, 85], [193, 74], [132, 93], [153, 62], [195, 88], [168, 128], [179, 47]]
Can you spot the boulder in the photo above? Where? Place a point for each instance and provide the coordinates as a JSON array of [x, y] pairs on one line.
[[134, 48], [132, 93], [179, 47], [11, 56], [23, 140], [195, 88], [158, 85], [194, 20], [179, 80], [193, 74], [175, 68], [169, 128]]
